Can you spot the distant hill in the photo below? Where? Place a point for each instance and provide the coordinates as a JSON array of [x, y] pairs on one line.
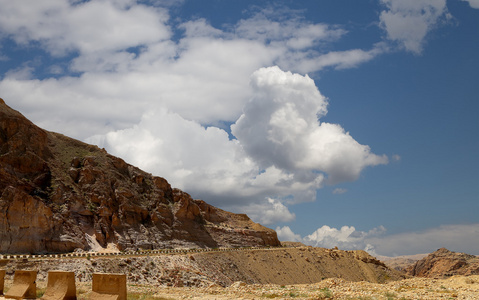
[[400, 263], [444, 263], [59, 194]]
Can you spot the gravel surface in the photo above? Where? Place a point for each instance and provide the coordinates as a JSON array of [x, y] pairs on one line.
[[457, 287]]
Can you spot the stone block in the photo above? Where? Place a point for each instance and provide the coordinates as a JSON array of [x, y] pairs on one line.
[[108, 287], [60, 286], [24, 285]]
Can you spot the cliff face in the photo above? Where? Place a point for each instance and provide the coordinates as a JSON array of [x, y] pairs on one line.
[[58, 194]]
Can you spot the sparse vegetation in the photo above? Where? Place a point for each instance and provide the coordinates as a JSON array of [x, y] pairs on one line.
[[326, 293], [40, 292], [142, 296], [390, 295], [271, 296]]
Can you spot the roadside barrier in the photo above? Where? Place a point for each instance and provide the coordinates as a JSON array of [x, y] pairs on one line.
[[2, 281], [108, 287], [60, 286], [24, 285], [132, 253]]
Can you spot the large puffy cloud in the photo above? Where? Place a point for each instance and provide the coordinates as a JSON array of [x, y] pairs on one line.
[[280, 127], [459, 238], [408, 21], [206, 163], [281, 154], [347, 237], [269, 212], [190, 156]]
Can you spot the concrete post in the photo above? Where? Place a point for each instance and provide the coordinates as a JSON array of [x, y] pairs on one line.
[[60, 286]]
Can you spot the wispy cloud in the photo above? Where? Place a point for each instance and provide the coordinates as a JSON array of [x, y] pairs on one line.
[[338, 191], [459, 238], [408, 22]]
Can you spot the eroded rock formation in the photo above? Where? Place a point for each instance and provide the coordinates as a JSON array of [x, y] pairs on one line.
[[58, 194], [443, 263]]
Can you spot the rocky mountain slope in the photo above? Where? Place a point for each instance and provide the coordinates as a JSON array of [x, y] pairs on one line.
[[444, 263], [58, 194]]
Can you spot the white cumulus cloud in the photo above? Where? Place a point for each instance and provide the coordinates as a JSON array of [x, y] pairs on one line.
[[347, 237], [286, 234], [280, 154], [280, 127]]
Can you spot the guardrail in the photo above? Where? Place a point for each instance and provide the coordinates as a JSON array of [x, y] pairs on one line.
[[128, 253]]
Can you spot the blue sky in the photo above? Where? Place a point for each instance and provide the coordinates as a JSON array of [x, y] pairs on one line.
[[337, 123]]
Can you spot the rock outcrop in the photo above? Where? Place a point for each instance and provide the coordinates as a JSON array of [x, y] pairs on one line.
[[58, 194], [444, 263]]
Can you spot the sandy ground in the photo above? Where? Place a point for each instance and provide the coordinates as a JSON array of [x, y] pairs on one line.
[[457, 287]]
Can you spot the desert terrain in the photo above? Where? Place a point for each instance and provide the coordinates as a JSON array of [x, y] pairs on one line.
[[457, 287], [270, 273]]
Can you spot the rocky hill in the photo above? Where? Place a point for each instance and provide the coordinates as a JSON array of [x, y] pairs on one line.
[[402, 262], [58, 194], [444, 263], [255, 266]]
